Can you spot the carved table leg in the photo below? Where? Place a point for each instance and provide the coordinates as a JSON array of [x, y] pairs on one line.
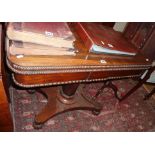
[[62, 99]]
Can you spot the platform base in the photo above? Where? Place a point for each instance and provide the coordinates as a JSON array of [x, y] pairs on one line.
[[59, 103]]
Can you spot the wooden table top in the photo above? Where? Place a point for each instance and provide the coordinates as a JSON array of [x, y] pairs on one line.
[[32, 71]]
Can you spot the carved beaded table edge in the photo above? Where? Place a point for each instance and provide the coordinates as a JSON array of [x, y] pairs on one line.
[[70, 76]]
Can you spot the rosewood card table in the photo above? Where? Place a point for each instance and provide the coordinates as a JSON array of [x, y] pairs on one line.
[[60, 78]]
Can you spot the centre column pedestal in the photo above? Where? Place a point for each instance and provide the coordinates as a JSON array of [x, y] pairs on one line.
[[62, 99]]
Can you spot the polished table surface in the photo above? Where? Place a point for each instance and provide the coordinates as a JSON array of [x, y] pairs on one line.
[[70, 71], [32, 71]]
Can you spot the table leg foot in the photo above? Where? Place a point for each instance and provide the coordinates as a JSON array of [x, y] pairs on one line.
[[37, 125]]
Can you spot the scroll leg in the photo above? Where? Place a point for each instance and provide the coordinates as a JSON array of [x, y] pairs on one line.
[[48, 111]]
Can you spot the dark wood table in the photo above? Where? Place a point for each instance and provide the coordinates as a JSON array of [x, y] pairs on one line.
[[61, 78]]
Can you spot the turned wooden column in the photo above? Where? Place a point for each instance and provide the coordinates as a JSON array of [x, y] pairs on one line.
[[69, 89], [63, 99]]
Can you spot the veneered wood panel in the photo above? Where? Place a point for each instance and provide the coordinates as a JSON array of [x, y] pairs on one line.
[[106, 74], [50, 78]]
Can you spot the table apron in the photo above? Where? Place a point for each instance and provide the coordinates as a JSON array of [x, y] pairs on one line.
[[69, 78]]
